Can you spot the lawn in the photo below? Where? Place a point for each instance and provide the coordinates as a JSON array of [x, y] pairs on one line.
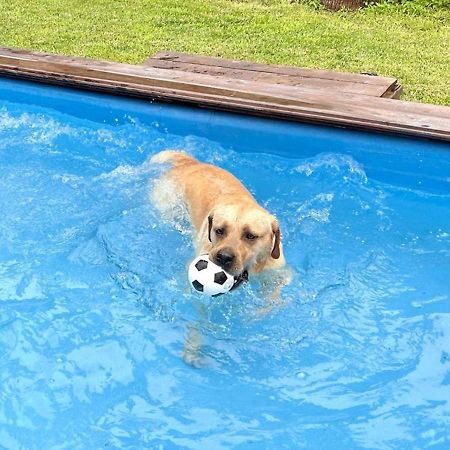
[[411, 43]]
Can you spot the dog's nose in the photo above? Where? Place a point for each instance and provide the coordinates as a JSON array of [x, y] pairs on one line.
[[224, 258]]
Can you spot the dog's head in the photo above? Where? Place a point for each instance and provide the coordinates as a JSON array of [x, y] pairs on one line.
[[243, 237]]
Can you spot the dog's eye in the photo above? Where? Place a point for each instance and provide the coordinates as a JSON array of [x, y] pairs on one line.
[[220, 231], [250, 236]]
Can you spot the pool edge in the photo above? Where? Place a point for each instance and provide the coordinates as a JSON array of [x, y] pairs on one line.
[[298, 104]]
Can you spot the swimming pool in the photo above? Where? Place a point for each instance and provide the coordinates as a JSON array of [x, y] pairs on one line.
[[94, 310]]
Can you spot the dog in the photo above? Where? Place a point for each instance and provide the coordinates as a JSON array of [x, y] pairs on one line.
[[229, 225]]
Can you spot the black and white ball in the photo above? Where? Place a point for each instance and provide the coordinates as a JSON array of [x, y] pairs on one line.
[[209, 278]]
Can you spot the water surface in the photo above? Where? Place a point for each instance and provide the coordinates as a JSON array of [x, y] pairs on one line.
[[94, 306]]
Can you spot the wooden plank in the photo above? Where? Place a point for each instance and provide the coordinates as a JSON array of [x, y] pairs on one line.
[[293, 103], [363, 84], [274, 68], [118, 71], [395, 91], [325, 85]]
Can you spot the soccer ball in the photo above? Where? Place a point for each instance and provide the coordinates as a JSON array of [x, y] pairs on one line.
[[209, 278]]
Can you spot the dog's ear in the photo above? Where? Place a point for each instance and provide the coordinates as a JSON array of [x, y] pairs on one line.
[[276, 245], [210, 220]]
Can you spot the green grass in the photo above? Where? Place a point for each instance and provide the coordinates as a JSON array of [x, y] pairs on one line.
[[411, 43]]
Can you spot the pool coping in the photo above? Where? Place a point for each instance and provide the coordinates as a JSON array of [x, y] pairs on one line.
[[293, 103]]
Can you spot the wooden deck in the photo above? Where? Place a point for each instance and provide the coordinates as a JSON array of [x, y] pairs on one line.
[[289, 97], [320, 80]]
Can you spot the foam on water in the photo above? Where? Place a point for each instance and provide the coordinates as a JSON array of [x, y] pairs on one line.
[[94, 304]]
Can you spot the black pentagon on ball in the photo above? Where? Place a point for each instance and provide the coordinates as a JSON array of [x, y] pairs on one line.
[[220, 277], [202, 264], [197, 286]]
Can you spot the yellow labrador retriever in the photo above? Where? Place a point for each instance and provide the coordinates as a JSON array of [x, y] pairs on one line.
[[238, 234], [231, 227]]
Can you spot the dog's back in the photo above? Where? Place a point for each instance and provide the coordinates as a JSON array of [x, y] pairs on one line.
[[201, 184], [173, 157]]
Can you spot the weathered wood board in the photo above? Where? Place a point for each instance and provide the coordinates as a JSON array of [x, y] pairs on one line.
[[297, 103], [325, 80]]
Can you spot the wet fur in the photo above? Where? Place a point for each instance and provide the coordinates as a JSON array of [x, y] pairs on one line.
[[216, 200]]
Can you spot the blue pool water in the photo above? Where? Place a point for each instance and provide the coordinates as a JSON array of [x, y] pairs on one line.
[[94, 308]]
